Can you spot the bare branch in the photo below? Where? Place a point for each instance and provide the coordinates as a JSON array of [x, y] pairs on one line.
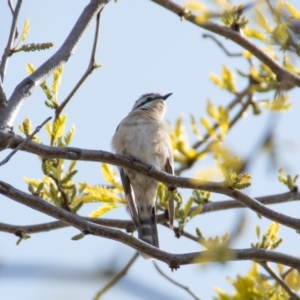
[[282, 73], [11, 7], [119, 276], [187, 289], [265, 200], [10, 41], [27, 86], [279, 280], [161, 218], [237, 117], [173, 260], [222, 46], [44, 227], [28, 229], [91, 67], [3, 99], [20, 146], [169, 180]]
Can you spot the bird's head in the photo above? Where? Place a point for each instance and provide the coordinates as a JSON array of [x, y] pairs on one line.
[[151, 102]]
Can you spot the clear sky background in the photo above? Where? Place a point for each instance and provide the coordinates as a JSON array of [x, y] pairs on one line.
[[143, 48]]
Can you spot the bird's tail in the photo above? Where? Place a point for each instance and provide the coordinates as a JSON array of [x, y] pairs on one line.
[[148, 230]]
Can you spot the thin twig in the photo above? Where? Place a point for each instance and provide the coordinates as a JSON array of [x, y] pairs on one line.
[[20, 146], [26, 87], [231, 105], [222, 46], [238, 115], [71, 153], [3, 98], [282, 73], [279, 280], [10, 41], [173, 260], [187, 289], [286, 273], [119, 276], [91, 67], [161, 218], [11, 7]]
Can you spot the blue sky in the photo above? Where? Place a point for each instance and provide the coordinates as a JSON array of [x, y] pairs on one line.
[[143, 48]]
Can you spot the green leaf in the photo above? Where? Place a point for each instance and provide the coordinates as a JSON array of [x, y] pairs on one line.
[[57, 75], [263, 21], [228, 79], [252, 33], [69, 135], [293, 10], [78, 236], [68, 177], [59, 127], [110, 175], [25, 30], [30, 68], [197, 211], [194, 127], [72, 165], [103, 210], [279, 104], [187, 207], [26, 127], [208, 127]]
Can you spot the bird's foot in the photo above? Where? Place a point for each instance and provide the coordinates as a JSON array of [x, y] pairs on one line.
[[132, 158], [151, 168]]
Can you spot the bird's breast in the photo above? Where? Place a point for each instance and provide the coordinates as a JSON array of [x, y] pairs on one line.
[[148, 142]]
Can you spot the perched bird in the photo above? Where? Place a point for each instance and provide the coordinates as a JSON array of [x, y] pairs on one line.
[[144, 136]]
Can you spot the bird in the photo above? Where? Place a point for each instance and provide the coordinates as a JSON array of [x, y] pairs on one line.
[[144, 136]]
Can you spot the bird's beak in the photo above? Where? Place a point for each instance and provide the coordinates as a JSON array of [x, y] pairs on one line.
[[166, 96]]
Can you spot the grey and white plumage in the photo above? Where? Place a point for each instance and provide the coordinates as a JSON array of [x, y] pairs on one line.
[[143, 136]]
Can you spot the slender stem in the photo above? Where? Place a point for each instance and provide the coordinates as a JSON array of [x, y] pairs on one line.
[[222, 46], [20, 146], [117, 278], [231, 105], [169, 180], [91, 67], [282, 73], [287, 272], [279, 280], [3, 98], [26, 87], [10, 41], [161, 218], [173, 260], [187, 289]]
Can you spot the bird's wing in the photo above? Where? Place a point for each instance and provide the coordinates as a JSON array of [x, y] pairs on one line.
[[129, 197], [171, 212]]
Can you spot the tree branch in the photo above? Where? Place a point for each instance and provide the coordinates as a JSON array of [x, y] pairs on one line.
[[71, 153], [280, 281], [10, 41], [91, 67], [237, 117], [173, 260], [228, 53], [27, 86], [119, 276], [187, 289], [3, 99], [282, 73], [29, 137], [161, 218]]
